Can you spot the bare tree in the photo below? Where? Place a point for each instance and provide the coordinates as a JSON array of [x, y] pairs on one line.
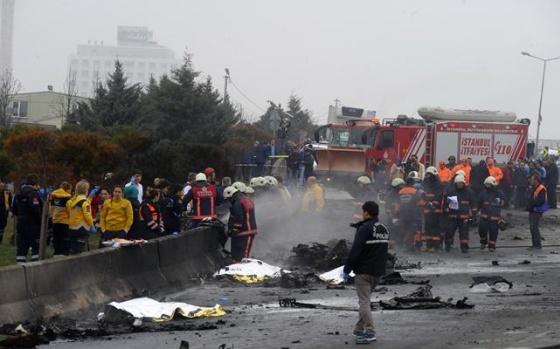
[[9, 88], [67, 100]]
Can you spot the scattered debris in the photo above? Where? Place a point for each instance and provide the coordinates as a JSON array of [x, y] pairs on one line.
[[422, 299], [484, 284], [292, 303], [395, 278], [525, 262], [495, 263]]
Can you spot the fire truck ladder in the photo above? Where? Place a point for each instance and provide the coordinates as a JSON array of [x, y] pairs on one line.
[[429, 144]]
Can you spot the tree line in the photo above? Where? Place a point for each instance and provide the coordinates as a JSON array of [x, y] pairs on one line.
[[173, 126]]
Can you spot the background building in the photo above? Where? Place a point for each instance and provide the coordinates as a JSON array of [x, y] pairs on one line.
[[140, 56], [6, 33], [45, 108]]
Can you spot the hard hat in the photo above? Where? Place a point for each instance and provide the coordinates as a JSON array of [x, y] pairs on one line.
[[200, 177], [239, 186], [432, 170], [364, 180], [413, 175], [229, 191], [271, 181], [396, 182], [208, 171], [460, 173], [490, 181], [460, 179], [258, 182], [451, 157], [249, 190]]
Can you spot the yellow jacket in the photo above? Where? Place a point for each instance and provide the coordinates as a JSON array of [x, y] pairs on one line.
[[313, 199], [116, 215], [80, 213], [57, 206]]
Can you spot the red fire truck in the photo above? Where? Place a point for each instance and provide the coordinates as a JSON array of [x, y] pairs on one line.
[[351, 148]]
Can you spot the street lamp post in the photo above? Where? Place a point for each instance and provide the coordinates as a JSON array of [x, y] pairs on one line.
[[539, 120], [226, 78]]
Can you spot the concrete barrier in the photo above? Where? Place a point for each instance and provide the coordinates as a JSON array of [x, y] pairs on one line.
[[70, 284], [203, 256], [140, 267], [13, 295], [67, 285]]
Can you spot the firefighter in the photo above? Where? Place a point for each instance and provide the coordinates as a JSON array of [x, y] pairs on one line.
[[60, 215], [28, 207], [494, 170], [205, 198], [409, 212], [150, 215], [465, 167], [432, 210], [242, 224], [490, 205], [258, 184], [80, 222], [391, 209], [444, 173], [459, 206], [364, 192]]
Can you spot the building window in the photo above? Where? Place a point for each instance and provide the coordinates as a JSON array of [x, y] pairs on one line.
[[141, 76], [74, 63], [85, 73], [163, 67], [141, 65], [85, 63], [108, 63], [96, 65], [19, 109], [152, 66]]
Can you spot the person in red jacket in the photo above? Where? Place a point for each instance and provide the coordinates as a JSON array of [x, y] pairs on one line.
[[205, 198], [242, 224]]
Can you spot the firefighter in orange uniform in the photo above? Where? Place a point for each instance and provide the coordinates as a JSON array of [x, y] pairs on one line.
[[444, 173], [242, 224]]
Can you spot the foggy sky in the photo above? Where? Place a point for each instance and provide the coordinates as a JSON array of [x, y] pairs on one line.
[[392, 56]]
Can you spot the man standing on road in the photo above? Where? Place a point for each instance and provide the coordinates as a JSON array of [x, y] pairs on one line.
[[367, 259], [536, 205]]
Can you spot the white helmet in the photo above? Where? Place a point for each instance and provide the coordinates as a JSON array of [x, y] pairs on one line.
[[491, 181], [432, 170], [460, 173], [200, 177], [239, 186], [364, 180], [229, 191], [460, 179], [258, 182], [396, 182], [249, 190], [271, 181], [413, 175]]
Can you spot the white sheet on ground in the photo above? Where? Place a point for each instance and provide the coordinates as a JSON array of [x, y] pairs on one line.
[[251, 270], [333, 277], [152, 310]]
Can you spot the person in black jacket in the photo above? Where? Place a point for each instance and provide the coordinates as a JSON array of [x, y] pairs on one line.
[[367, 258], [28, 208], [551, 181], [537, 204]]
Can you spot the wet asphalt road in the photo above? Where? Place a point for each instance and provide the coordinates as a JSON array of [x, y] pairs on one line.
[[525, 316]]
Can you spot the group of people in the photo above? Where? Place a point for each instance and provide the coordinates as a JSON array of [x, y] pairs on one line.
[[427, 206]]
